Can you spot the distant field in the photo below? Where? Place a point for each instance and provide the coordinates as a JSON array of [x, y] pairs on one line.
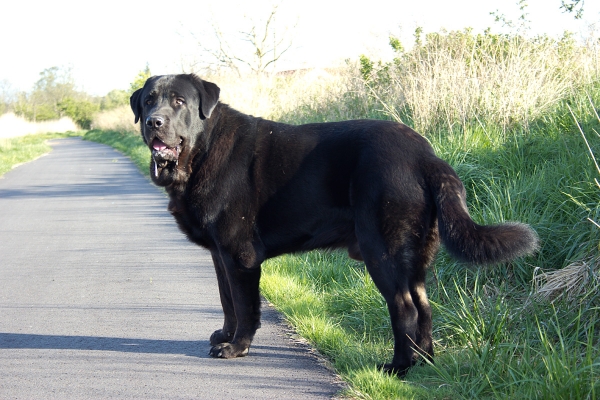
[[13, 126]]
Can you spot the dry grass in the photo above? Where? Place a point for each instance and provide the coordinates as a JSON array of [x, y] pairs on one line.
[[448, 82], [13, 126], [569, 282], [456, 78], [582, 276], [118, 119], [294, 96]]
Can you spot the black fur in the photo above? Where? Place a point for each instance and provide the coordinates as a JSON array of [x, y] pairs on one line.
[[248, 189]]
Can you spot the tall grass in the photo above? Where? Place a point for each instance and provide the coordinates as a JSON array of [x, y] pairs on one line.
[[118, 119], [507, 113], [457, 80]]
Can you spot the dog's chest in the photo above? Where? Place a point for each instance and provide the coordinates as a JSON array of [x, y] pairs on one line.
[[202, 218], [191, 221]]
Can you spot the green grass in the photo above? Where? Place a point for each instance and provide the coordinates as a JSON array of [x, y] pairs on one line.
[[18, 150], [489, 344]]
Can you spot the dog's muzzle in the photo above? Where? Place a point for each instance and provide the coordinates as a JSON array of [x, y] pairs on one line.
[[163, 154]]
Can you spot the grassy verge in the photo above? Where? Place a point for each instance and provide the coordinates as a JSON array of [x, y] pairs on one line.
[[14, 151], [488, 344]]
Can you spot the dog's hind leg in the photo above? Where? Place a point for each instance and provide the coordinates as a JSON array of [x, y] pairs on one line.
[[424, 256], [393, 281], [398, 242]]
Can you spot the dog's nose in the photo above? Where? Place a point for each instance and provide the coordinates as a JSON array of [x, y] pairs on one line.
[[155, 121]]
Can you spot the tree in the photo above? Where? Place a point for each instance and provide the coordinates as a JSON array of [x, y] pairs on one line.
[[573, 6], [54, 86], [523, 23], [54, 96], [114, 99], [80, 111], [7, 96], [263, 46], [140, 79]]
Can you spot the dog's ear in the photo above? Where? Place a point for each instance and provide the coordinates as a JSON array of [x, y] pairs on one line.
[[209, 95], [134, 102]]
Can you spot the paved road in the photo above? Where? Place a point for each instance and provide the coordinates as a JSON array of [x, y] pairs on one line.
[[102, 297]]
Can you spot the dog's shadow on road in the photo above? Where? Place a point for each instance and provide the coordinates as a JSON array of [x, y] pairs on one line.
[[57, 342]]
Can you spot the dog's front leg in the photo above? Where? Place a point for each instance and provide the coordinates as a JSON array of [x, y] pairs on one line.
[[224, 335], [239, 287]]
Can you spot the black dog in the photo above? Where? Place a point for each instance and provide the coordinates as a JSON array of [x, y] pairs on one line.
[[248, 189]]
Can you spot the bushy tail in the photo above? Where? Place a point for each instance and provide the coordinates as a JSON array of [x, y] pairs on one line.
[[462, 237]]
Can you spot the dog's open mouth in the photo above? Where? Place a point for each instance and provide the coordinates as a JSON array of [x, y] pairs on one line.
[[163, 154]]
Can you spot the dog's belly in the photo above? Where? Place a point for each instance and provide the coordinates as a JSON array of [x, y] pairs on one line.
[[334, 229]]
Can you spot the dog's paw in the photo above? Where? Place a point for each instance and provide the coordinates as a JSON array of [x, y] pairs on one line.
[[228, 350], [394, 370], [219, 336]]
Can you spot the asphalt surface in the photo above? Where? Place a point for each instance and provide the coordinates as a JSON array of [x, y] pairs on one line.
[[101, 296]]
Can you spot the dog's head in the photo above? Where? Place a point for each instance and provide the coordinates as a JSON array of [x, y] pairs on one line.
[[172, 110]]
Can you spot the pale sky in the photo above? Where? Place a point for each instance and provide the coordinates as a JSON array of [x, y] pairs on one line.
[[107, 43]]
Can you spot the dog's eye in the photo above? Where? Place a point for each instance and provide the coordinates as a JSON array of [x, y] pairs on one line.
[[179, 101], [148, 102]]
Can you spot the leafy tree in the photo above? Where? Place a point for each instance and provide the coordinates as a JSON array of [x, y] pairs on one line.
[[523, 22], [573, 6], [140, 79], [80, 111], [54, 86], [114, 99], [366, 67], [7, 97], [54, 96]]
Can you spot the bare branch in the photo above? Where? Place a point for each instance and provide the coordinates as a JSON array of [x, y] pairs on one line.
[[266, 45]]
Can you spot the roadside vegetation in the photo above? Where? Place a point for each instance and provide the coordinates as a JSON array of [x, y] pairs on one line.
[[15, 151], [517, 118]]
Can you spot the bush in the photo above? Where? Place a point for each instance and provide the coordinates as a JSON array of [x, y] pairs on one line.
[[80, 111]]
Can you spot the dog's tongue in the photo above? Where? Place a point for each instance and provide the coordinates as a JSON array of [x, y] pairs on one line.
[[158, 145]]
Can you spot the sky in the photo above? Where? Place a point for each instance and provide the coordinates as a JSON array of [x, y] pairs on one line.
[[107, 43]]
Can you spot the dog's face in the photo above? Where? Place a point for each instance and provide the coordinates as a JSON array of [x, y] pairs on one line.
[[171, 110]]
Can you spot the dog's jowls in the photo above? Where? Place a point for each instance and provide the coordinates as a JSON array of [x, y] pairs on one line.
[[248, 189]]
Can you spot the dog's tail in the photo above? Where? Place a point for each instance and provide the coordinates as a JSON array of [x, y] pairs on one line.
[[462, 237]]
